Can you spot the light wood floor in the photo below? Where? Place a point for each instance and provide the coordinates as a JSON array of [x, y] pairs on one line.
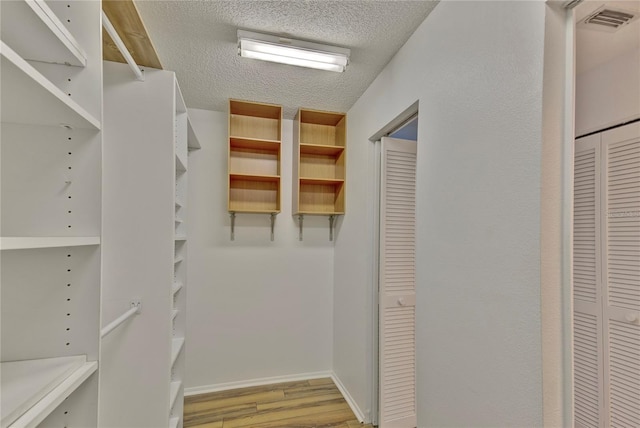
[[305, 404]]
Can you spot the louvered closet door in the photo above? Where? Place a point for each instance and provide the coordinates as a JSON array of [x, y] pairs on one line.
[[587, 290], [397, 284], [621, 246]]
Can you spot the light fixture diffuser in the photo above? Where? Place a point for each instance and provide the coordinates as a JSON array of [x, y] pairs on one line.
[[293, 52]]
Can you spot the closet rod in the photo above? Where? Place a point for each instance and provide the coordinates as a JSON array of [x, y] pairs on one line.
[[121, 47], [136, 305]]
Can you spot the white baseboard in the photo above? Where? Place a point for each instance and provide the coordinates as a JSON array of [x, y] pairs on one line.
[[348, 398], [255, 382]]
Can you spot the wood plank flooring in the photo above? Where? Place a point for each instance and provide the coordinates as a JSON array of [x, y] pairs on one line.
[[313, 403]]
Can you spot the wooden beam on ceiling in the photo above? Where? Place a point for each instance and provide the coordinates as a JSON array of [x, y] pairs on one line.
[[125, 18]]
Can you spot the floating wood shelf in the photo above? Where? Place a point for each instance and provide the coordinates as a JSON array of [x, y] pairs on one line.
[[253, 177], [125, 18], [322, 181], [317, 149], [254, 144]]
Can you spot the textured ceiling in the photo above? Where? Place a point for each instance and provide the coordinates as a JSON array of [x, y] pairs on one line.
[[597, 47], [197, 40]]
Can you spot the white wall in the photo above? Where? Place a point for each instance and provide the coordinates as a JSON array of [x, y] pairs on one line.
[[255, 308], [608, 94], [476, 69]]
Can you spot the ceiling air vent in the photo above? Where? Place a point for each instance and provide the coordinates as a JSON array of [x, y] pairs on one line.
[[608, 19]]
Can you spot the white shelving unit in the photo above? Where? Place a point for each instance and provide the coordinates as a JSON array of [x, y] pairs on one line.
[[146, 123], [51, 144]]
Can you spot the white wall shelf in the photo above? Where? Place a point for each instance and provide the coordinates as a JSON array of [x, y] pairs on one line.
[[176, 348], [174, 422], [23, 243], [180, 238], [192, 139], [180, 164], [32, 389], [33, 30], [41, 102], [176, 287], [175, 389]]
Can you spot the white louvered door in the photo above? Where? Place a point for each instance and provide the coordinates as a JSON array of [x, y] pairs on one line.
[[397, 285], [621, 276], [606, 279], [587, 290]]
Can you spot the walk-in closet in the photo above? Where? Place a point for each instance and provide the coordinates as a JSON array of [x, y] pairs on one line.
[[313, 213]]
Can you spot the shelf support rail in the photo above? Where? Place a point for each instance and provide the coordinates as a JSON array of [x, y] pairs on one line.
[[300, 221], [121, 47], [332, 219], [135, 308], [232, 215], [273, 222]]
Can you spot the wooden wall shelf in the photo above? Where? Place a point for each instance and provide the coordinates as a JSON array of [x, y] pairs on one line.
[[254, 157], [319, 153]]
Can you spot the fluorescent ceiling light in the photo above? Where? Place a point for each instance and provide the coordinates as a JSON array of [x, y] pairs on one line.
[[293, 52]]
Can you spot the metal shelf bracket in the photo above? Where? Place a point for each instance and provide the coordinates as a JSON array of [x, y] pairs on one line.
[[300, 221], [273, 222], [232, 215], [332, 219]]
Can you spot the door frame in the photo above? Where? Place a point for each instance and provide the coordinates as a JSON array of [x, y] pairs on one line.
[[374, 254], [557, 213]]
